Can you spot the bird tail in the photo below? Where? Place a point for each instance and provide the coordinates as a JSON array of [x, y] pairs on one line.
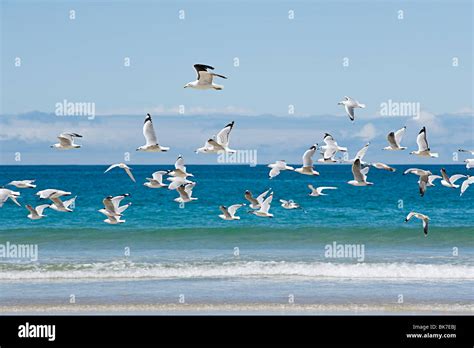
[[362, 106], [435, 155]]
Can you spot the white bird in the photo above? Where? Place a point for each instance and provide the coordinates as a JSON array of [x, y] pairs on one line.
[[177, 181], [113, 210], [36, 213], [450, 181], [228, 213], [290, 204], [469, 163], [432, 178], [307, 168], [350, 104], [466, 183], [52, 193], [205, 78], [423, 181], [422, 217], [394, 139], [180, 169], [360, 175], [156, 181], [123, 166], [318, 191], [264, 207], [6, 193], [277, 167], [468, 151], [59, 205], [219, 143], [423, 147], [185, 193], [151, 141], [22, 183], [383, 166], [66, 141], [331, 148], [255, 203]]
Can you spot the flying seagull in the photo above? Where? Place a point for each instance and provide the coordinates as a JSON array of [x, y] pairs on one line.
[[185, 193], [22, 183], [6, 193], [469, 163], [156, 181], [468, 151], [350, 104], [318, 191], [307, 168], [151, 144], [36, 213], [59, 205], [422, 217], [290, 204], [66, 141], [450, 181], [423, 180], [466, 183], [177, 181], [394, 139], [264, 207], [360, 175], [219, 143], [179, 169], [52, 193], [423, 148], [255, 203], [383, 166], [228, 213], [204, 78], [112, 209], [277, 167], [331, 148], [123, 166]]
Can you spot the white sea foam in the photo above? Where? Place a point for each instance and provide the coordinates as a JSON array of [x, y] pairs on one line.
[[123, 270]]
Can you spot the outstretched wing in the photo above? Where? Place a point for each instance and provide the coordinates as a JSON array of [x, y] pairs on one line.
[[149, 131], [222, 137]]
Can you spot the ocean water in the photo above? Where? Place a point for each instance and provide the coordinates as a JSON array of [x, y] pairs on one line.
[[189, 254]]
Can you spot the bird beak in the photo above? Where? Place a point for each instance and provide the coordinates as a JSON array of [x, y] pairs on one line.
[[406, 220], [185, 86]]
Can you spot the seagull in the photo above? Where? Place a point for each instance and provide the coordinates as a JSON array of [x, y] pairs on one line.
[[423, 181], [180, 169], [66, 141], [450, 181], [469, 151], [432, 178], [290, 204], [380, 165], [350, 104], [151, 144], [307, 168], [264, 207], [469, 163], [22, 183], [423, 148], [177, 181], [113, 210], [277, 167], [229, 213], [331, 148], [52, 193], [219, 143], [6, 193], [59, 205], [466, 183], [36, 213], [394, 139], [422, 217], [255, 203], [156, 181], [124, 167], [204, 78], [318, 191], [185, 193], [360, 175]]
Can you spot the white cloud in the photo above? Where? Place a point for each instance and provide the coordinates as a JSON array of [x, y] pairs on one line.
[[367, 133]]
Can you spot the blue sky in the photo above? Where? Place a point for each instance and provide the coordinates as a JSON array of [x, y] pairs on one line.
[[282, 62]]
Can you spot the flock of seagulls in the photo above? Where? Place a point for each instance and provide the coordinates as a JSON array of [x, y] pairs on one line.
[[179, 177]]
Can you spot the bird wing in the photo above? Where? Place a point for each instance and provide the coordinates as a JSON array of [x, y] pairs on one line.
[[233, 209], [456, 177], [224, 211], [308, 157], [391, 139], [149, 131], [201, 68], [422, 184], [31, 209], [329, 140], [222, 137], [361, 153], [432, 178], [65, 139], [189, 188], [57, 202], [422, 141], [109, 205], [182, 193], [158, 176], [445, 175], [262, 196], [112, 167], [265, 207], [350, 111], [69, 202], [215, 144], [356, 171], [425, 226], [283, 201], [116, 201], [466, 184], [248, 196], [179, 164], [40, 208], [399, 135], [274, 172], [129, 173], [321, 188], [409, 216], [121, 209]]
